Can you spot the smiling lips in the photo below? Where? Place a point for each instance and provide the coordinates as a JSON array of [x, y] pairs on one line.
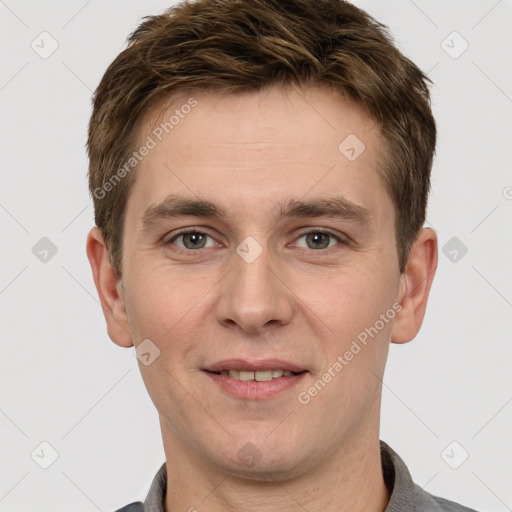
[[256, 379], [254, 366], [259, 376], [259, 371]]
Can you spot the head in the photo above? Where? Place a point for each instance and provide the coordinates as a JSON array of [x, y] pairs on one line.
[[294, 142]]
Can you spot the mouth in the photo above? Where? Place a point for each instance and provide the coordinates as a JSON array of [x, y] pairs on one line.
[[257, 376], [262, 370], [256, 380]]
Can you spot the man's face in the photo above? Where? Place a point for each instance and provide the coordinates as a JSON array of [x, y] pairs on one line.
[[256, 284]]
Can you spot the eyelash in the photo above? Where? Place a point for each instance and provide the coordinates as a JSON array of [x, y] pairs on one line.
[[339, 239]]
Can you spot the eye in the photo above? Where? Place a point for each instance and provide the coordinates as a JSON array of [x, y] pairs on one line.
[[191, 240], [320, 240], [194, 240]]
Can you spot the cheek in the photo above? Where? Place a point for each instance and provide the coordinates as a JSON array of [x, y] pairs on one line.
[[164, 308], [351, 300], [358, 339], [162, 304]]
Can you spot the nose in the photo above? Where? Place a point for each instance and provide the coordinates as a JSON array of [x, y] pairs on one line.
[[254, 296]]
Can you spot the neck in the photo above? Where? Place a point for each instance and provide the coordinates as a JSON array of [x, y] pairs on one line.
[[350, 481]]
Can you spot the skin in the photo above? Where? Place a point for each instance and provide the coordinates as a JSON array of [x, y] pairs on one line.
[[295, 302]]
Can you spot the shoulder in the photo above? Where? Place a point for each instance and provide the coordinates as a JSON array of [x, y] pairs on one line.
[[425, 502], [405, 494]]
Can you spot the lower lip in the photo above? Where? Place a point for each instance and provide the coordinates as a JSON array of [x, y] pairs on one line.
[[254, 390]]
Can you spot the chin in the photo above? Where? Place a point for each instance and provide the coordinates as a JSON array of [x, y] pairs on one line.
[[264, 463], [265, 472]]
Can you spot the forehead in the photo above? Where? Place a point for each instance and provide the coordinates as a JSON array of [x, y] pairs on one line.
[[312, 117], [261, 148]]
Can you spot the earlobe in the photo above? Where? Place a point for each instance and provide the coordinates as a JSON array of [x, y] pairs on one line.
[[415, 285], [109, 288]]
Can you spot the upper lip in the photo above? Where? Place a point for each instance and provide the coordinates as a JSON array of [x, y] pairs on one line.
[[263, 364]]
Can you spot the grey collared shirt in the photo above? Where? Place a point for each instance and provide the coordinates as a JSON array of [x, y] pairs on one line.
[[406, 496]]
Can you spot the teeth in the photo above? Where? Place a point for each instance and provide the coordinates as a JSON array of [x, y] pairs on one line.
[[263, 376], [259, 376]]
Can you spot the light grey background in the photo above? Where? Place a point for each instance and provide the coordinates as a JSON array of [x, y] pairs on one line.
[[64, 382]]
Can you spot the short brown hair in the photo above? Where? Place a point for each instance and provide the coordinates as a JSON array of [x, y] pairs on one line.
[[245, 45]]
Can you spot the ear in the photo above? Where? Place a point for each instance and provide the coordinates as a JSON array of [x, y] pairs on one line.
[[110, 289], [415, 286]]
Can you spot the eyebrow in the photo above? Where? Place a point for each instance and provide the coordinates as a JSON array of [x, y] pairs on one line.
[[333, 207]]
